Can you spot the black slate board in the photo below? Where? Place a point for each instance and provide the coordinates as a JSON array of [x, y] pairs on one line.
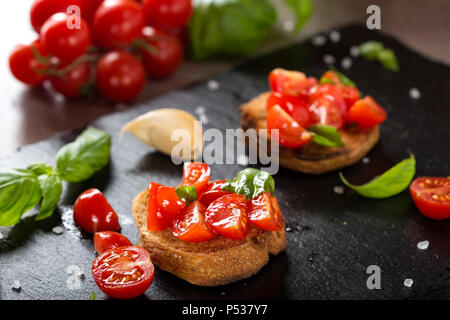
[[334, 238]]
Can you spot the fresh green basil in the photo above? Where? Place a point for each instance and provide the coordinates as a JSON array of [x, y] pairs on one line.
[[79, 160], [375, 51], [327, 136], [186, 194], [250, 183], [344, 79], [302, 9], [92, 296], [51, 187], [390, 183]]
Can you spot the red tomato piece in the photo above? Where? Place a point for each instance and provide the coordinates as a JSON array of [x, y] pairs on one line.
[[41, 10], [169, 204], [350, 95], [92, 212], [117, 23], [167, 13], [291, 134], [366, 113], [196, 174], [155, 219], [167, 55], [293, 83], [71, 84], [295, 106], [64, 43], [432, 196], [123, 272], [192, 226], [227, 216], [25, 67], [327, 105], [213, 191], [107, 240], [332, 77], [265, 213]]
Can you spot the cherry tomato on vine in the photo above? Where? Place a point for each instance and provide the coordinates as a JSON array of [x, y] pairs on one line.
[[192, 225], [92, 212], [165, 54], [196, 174], [117, 23], [167, 13], [71, 83], [64, 43], [123, 272], [88, 9], [120, 76], [432, 196], [107, 240], [41, 10], [265, 213], [366, 113], [24, 65]]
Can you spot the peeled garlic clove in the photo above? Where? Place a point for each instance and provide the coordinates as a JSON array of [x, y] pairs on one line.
[[169, 131]]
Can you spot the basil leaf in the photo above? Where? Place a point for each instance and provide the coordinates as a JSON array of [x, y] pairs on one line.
[[40, 168], [302, 9], [79, 160], [19, 192], [390, 183], [374, 50], [186, 194], [327, 136], [51, 187], [92, 296], [250, 183], [229, 27], [388, 60], [344, 79]]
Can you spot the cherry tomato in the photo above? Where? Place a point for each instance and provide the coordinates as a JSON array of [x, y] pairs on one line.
[[169, 204], [25, 67], [192, 226], [350, 95], [167, 56], [196, 174], [327, 105], [107, 240], [117, 23], [366, 113], [70, 84], [295, 106], [155, 219], [167, 13], [120, 76], [62, 42], [93, 213], [291, 134], [293, 83], [88, 9], [41, 10], [265, 213], [212, 192], [227, 216], [432, 196], [123, 272], [331, 76]]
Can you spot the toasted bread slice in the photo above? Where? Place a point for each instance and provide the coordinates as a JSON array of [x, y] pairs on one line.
[[312, 158], [211, 263]]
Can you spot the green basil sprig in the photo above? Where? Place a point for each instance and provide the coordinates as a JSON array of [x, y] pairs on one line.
[[375, 51], [186, 194], [250, 183], [23, 189], [327, 136], [390, 183], [342, 77]]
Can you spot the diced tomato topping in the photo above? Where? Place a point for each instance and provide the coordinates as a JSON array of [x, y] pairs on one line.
[[155, 220], [107, 240], [192, 226], [295, 106], [265, 213], [293, 83], [350, 95], [227, 216], [432, 196], [366, 113], [169, 204], [196, 174], [213, 192], [327, 105]]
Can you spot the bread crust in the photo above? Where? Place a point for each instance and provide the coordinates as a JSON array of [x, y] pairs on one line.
[[311, 158], [210, 263]]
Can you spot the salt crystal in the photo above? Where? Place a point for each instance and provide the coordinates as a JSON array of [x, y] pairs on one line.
[[204, 119], [365, 160], [328, 59], [1, 236], [346, 63], [423, 245], [335, 36], [288, 229], [200, 110], [354, 51], [16, 285], [338, 189], [57, 230], [242, 160], [319, 40], [288, 26], [223, 293], [414, 93], [213, 85], [408, 283]]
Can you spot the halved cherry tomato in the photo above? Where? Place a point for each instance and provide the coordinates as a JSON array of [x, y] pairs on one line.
[[264, 212], [227, 216], [71, 84], [93, 213], [327, 105], [155, 219], [107, 240], [350, 95], [123, 272], [291, 134], [366, 113], [41, 10], [25, 67], [295, 106], [169, 204], [213, 191], [432, 196], [167, 13], [196, 174], [294, 83], [192, 226]]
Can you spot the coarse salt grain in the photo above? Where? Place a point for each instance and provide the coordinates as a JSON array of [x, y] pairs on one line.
[[329, 59], [335, 36], [58, 230], [203, 119], [200, 110], [408, 283], [16, 285], [288, 26], [354, 51], [423, 245], [365, 160], [338, 189], [1, 236], [346, 63], [414, 93], [213, 85], [319, 40]]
